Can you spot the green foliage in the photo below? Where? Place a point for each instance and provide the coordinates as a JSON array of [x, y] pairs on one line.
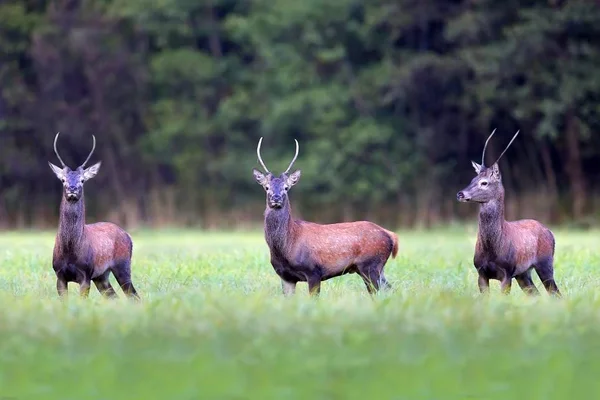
[[387, 98]]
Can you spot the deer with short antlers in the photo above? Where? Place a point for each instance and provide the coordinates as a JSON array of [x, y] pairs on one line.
[[88, 252], [303, 251], [506, 250]]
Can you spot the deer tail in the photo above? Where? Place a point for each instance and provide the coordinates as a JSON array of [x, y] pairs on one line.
[[394, 238]]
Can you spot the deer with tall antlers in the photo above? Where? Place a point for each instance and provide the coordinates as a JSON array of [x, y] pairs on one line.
[[507, 249], [88, 252], [303, 251]]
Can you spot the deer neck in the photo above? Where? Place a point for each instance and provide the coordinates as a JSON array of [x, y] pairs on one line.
[[71, 224], [491, 222], [278, 227]]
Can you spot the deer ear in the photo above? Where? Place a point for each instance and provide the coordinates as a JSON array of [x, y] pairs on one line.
[[60, 174], [91, 172], [260, 177], [496, 171], [294, 178], [477, 167]]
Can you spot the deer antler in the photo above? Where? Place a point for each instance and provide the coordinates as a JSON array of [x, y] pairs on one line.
[[512, 140], [485, 146], [91, 152], [56, 150], [259, 158], [295, 156]]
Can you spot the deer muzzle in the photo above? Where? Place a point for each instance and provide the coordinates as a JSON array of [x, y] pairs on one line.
[[462, 197], [276, 201], [72, 194]]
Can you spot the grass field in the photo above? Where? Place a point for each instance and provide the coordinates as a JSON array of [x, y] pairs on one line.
[[214, 325]]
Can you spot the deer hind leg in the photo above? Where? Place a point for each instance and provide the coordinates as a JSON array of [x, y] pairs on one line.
[[545, 270], [384, 282], [526, 283], [314, 285], [371, 272], [103, 285], [122, 273]]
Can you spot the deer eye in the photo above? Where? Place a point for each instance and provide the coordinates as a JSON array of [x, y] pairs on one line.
[[286, 187], [484, 183]]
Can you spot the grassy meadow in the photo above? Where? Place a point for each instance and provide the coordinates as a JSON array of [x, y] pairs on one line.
[[214, 325]]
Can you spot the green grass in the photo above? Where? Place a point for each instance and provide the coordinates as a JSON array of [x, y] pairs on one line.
[[214, 325]]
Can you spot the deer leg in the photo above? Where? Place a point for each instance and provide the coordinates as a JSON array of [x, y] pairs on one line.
[[506, 284], [484, 284], [545, 271], [526, 283], [372, 274], [384, 282], [61, 286], [84, 288], [370, 286], [288, 288], [60, 269], [103, 285], [122, 273], [82, 277], [314, 285]]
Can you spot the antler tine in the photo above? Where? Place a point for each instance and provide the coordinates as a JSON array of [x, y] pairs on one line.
[[485, 146], [512, 140], [295, 156], [91, 152], [259, 157], [56, 150]]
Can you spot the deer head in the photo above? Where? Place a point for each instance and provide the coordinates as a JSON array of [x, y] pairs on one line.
[[73, 180], [487, 185], [276, 187]]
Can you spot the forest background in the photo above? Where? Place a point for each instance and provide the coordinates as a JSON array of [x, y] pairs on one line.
[[390, 100]]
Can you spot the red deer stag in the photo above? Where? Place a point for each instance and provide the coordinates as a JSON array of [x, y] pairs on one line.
[[88, 252], [506, 250], [303, 251]]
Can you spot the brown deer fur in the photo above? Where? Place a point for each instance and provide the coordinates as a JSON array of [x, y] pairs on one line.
[[507, 249], [88, 252], [303, 251]]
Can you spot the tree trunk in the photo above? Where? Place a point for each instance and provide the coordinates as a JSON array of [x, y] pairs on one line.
[[574, 168], [551, 185]]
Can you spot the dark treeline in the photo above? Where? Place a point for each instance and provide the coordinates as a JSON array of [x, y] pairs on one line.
[[390, 100]]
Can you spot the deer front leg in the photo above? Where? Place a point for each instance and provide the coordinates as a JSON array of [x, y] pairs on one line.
[[505, 273], [505, 285], [61, 287], [484, 284], [61, 278], [84, 288], [85, 282], [288, 288]]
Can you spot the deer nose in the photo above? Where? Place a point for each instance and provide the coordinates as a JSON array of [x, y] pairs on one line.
[[460, 195], [276, 198], [72, 188]]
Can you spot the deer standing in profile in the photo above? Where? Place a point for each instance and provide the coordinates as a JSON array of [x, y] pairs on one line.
[[303, 251], [88, 252], [506, 250]]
